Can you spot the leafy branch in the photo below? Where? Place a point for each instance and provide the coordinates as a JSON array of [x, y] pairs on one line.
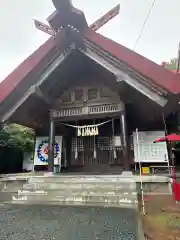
[[17, 136]]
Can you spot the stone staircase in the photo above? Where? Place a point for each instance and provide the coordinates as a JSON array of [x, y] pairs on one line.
[[104, 190]]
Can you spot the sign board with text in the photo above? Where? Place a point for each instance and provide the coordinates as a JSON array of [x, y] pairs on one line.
[[147, 151]]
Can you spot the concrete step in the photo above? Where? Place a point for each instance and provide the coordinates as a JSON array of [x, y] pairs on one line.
[[70, 203], [58, 182], [6, 196], [74, 190], [80, 191], [72, 186], [77, 195], [80, 179], [103, 187], [12, 185], [66, 193], [124, 199]]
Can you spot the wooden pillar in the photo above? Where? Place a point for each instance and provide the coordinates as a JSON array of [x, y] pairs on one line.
[[34, 153], [124, 139], [51, 143]]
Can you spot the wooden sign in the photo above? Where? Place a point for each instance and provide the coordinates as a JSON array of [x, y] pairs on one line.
[[88, 131]]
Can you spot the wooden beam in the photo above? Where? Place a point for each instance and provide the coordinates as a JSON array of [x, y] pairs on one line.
[[105, 18], [33, 90], [41, 95], [100, 22], [44, 28], [122, 76], [14, 108]]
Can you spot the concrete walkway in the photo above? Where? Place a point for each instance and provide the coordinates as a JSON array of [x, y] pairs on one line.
[[19, 222]]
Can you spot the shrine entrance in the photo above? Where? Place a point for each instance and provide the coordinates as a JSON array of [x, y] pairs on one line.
[[91, 118], [99, 153], [92, 155]]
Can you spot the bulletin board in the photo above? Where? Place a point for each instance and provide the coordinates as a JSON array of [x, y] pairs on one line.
[[147, 151]]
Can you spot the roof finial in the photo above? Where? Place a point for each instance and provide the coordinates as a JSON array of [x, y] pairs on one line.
[[62, 5]]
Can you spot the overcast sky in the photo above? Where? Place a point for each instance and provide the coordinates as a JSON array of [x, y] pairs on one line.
[[159, 41]]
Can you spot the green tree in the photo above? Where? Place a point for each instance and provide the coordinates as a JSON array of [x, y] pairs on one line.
[[17, 136], [171, 65]]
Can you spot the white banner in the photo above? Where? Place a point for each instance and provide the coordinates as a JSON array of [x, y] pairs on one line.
[[28, 161], [147, 151], [41, 151]]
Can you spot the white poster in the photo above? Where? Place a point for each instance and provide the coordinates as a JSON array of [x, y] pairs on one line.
[[41, 151], [117, 141], [28, 161], [147, 151]]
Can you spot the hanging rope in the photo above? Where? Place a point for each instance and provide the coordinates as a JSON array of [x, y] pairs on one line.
[[86, 126], [87, 130]]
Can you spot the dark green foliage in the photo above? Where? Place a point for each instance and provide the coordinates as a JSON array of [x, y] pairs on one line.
[[11, 160], [172, 64], [17, 136]]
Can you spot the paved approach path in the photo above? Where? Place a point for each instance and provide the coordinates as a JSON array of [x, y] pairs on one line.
[[22, 222]]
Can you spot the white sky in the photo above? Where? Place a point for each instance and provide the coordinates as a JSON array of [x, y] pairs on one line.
[[159, 41]]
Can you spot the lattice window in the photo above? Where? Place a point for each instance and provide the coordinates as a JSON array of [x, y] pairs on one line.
[[79, 95], [92, 93], [105, 93], [66, 97], [104, 143]]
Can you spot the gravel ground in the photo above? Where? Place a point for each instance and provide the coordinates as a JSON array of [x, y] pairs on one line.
[[22, 222]]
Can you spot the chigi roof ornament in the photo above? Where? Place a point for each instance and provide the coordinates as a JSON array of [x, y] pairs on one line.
[[67, 16], [68, 25]]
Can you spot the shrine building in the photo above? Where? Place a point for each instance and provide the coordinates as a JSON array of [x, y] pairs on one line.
[[91, 91]]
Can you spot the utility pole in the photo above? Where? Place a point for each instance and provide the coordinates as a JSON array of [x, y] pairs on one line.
[[178, 59]]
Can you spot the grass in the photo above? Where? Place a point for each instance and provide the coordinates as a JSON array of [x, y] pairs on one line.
[[162, 221], [167, 220]]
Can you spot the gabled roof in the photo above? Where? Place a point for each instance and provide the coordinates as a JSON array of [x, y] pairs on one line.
[[18, 75], [156, 73]]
